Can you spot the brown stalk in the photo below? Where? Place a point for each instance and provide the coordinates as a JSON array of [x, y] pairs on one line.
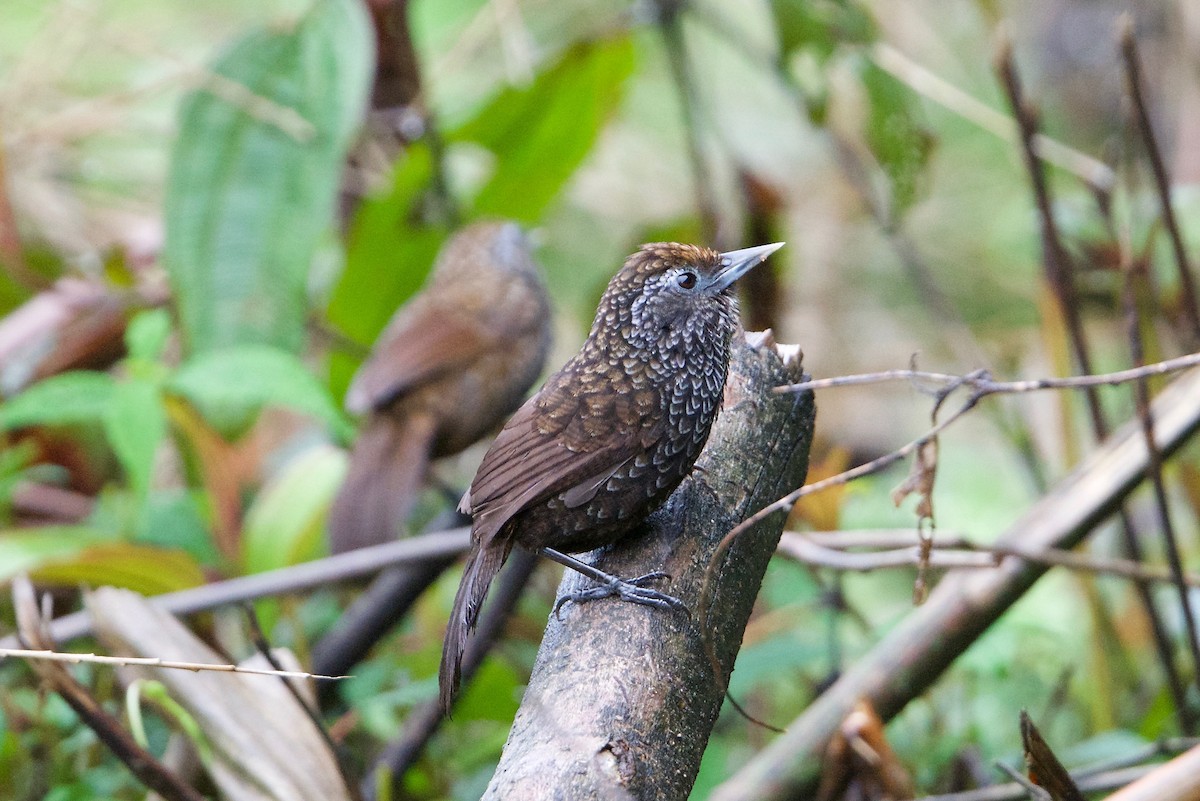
[[1058, 271], [1162, 182], [1155, 462], [677, 56]]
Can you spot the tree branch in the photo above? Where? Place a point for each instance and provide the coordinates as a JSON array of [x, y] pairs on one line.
[[915, 652], [622, 699]]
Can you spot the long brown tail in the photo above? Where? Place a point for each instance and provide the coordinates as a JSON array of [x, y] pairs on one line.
[[483, 564], [387, 469]]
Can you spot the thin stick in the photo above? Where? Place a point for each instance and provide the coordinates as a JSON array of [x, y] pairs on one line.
[[806, 549], [677, 56], [787, 501], [1154, 463], [1162, 182], [1031, 789], [149, 661], [1058, 268], [984, 382]]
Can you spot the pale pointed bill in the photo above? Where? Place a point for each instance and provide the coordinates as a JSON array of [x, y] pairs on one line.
[[737, 263]]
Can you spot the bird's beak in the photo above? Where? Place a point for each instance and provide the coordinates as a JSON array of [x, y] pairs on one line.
[[737, 263]]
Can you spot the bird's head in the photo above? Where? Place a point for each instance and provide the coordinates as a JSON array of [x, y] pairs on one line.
[[485, 250], [667, 289]]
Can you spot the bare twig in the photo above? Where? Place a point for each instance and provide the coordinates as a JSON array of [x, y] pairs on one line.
[[787, 501], [1091, 779], [983, 381], [1057, 264], [47, 655], [677, 55], [1155, 466], [823, 553], [1177, 780], [259, 638], [1162, 182], [423, 722], [915, 652], [1031, 790], [1058, 269]]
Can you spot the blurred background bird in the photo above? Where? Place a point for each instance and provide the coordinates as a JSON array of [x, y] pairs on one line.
[[448, 368]]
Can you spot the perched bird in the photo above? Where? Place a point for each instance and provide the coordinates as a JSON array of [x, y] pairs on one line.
[[611, 434], [447, 369]]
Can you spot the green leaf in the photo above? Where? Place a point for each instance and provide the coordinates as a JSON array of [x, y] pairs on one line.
[[285, 523], [69, 398], [895, 135], [24, 550], [540, 134], [147, 333], [255, 172], [388, 255], [819, 26], [234, 382], [135, 424], [141, 568], [177, 519]]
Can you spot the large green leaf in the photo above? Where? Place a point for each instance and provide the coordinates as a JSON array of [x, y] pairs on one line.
[[284, 524], [389, 252], [135, 423], [24, 550], [896, 135], [141, 568], [254, 175], [233, 383], [539, 134], [69, 398]]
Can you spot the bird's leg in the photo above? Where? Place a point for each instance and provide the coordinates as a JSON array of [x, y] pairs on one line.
[[632, 590]]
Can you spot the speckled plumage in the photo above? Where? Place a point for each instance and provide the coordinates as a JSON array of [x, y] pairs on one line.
[[611, 434]]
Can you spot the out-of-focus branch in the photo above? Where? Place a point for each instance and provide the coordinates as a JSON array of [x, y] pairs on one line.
[[1059, 275], [1162, 182], [1093, 172], [1177, 780], [681, 70], [914, 653], [808, 549]]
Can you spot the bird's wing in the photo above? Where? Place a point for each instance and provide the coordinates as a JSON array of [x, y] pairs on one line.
[[569, 438], [418, 345]]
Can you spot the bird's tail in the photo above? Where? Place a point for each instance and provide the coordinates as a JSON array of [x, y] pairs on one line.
[[387, 468], [482, 566]]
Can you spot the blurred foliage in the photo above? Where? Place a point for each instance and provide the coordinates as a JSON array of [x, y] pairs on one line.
[[254, 174], [212, 447]]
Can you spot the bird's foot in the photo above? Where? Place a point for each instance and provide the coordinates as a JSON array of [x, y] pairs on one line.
[[632, 590]]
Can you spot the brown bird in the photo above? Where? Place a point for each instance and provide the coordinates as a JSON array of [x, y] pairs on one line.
[[447, 369], [611, 434]]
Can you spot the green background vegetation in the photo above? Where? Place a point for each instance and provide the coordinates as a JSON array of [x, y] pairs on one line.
[[127, 156]]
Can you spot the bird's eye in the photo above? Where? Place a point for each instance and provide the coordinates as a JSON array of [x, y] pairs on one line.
[[686, 279]]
